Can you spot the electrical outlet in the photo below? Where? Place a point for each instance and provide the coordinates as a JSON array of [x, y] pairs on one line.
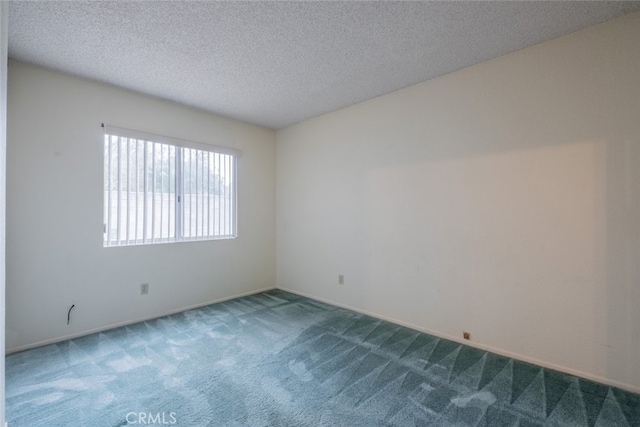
[[340, 279], [466, 335], [144, 289]]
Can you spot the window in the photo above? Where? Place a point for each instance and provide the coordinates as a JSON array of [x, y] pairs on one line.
[[160, 190]]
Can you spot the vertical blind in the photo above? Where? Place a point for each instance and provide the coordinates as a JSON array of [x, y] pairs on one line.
[[159, 189]]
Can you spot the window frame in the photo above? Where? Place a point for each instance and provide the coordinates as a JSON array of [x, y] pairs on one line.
[[178, 223]]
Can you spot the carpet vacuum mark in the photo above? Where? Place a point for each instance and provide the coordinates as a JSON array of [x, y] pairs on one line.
[[278, 359]]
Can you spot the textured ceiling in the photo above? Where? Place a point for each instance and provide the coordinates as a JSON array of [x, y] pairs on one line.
[[278, 63]]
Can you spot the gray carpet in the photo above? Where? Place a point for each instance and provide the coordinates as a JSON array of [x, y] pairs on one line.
[[277, 359]]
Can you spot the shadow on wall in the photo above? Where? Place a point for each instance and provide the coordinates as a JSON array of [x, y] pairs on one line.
[[536, 250], [621, 247]]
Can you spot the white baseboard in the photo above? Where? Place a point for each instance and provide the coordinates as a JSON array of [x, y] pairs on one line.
[[478, 345], [130, 322]]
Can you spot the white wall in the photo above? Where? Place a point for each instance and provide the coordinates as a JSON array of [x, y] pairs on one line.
[[54, 215], [4, 29], [503, 199]]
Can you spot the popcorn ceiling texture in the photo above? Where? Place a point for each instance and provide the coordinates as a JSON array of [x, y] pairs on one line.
[[278, 63]]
